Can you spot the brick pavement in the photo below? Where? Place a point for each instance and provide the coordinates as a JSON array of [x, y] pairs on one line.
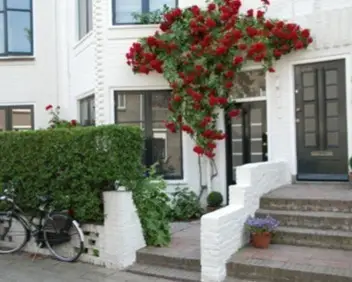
[[21, 268]]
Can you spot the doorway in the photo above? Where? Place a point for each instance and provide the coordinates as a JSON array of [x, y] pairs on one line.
[[247, 137], [321, 122]]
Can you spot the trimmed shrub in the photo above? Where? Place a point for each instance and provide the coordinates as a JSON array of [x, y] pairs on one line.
[[73, 165], [214, 199]]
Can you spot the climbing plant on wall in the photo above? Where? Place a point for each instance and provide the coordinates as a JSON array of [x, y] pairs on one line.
[[200, 51]]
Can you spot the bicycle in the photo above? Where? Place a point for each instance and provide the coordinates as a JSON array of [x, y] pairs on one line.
[[51, 230]]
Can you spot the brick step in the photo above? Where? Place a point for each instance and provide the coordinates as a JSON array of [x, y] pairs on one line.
[[313, 237], [314, 220], [173, 274], [184, 259], [296, 204], [291, 263]]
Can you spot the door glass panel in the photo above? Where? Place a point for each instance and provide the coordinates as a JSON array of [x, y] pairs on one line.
[[333, 139], [309, 110], [308, 79], [331, 77], [256, 130], [257, 146], [310, 124], [310, 140], [2, 120], [21, 119], [256, 158], [309, 93], [331, 92], [332, 123], [332, 109]]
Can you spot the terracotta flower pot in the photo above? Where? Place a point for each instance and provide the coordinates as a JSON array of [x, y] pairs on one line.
[[261, 240]]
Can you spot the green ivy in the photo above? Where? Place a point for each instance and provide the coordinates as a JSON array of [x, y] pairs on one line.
[[73, 165], [153, 208], [185, 205]]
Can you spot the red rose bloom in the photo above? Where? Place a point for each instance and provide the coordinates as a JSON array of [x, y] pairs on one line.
[[48, 107]]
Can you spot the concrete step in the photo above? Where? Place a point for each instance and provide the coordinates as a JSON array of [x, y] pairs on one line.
[[319, 205], [332, 239], [173, 274], [187, 259], [314, 220], [291, 263]]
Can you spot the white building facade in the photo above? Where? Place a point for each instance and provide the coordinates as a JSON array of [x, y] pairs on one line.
[[72, 53]]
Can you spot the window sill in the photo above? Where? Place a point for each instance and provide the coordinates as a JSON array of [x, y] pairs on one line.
[[133, 26], [17, 58]]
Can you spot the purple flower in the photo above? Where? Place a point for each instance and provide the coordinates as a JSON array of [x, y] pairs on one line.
[[260, 225]]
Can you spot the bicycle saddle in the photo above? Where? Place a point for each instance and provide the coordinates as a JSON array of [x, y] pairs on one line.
[[45, 198]]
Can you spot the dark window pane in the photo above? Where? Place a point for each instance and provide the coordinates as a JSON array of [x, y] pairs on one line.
[[85, 16], [237, 146], [256, 130], [134, 107], [236, 131], [160, 110], [2, 34], [19, 4], [331, 77], [308, 79], [22, 119], [124, 10], [19, 32], [158, 4], [249, 84], [331, 91], [87, 111], [166, 151], [237, 160]]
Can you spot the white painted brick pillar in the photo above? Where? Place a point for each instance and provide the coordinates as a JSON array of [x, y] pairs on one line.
[[123, 234]]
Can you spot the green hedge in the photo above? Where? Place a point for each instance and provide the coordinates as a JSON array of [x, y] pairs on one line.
[[79, 163]]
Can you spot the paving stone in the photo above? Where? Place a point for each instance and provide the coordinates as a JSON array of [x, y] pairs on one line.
[[20, 268]]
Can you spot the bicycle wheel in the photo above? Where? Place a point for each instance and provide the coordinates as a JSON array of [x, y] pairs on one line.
[[59, 233], [13, 233]]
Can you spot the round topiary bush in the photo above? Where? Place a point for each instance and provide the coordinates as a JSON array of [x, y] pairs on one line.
[[214, 199]]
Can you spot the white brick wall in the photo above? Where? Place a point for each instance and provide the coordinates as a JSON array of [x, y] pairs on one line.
[[222, 231]]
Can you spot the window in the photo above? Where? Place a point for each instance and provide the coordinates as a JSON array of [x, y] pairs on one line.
[[249, 84], [123, 10], [16, 32], [85, 17], [87, 111], [148, 110], [16, 118]]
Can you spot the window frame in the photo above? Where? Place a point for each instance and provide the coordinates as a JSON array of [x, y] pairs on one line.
[[146, 124], [6, 47], [8, 116], [88, 100], [145, 9], [88, 23]]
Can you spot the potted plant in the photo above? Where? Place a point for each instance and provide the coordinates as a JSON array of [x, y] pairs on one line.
[[214, 201], [261, 230]]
